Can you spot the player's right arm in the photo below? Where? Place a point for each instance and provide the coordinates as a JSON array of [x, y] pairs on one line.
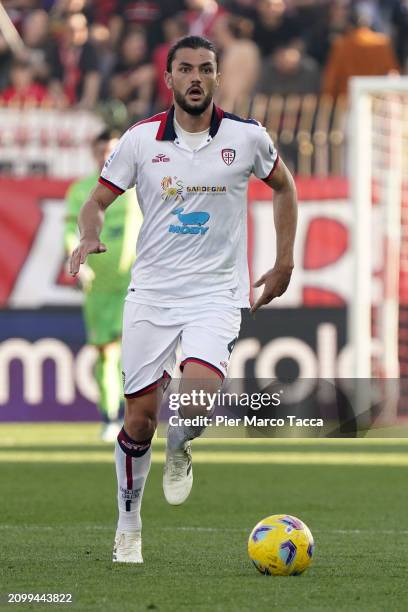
[[118, 175], [90, 222]]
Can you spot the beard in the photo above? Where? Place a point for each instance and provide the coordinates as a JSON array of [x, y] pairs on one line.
[[189, 108]]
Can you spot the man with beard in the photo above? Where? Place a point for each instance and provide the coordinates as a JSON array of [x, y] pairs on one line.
[[191, 167]]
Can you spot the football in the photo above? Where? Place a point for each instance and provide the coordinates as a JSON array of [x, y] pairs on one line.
[[281, 545]]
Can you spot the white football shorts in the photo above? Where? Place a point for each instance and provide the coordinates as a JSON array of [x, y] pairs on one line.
[[151, 335]]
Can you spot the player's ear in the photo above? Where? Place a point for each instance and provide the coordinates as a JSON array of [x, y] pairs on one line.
[[168, 79], [218, 79]]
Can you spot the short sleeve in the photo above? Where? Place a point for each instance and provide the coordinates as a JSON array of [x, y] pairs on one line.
[[120, 170], [266, 155]]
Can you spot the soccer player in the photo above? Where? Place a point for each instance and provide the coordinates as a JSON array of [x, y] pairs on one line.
[[191, 167], [105, 281]]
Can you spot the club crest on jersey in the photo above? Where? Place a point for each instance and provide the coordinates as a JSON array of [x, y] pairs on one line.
[[172, 189], [228, 156], [160, 157]]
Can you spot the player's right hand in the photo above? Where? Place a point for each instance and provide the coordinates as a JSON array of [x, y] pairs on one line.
[[79, 255]]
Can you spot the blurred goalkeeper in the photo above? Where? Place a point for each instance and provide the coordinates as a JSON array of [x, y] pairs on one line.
[[104, 282]]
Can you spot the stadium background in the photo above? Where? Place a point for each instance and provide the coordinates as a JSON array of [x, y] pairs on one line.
[[57, 483], [85, 64]]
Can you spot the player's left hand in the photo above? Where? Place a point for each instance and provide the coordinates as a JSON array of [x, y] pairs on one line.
[[276, 282]]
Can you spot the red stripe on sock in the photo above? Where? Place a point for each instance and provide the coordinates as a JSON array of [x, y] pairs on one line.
[[129, 473]]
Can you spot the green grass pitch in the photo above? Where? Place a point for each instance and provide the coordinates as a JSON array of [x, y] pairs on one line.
[[58, 513]]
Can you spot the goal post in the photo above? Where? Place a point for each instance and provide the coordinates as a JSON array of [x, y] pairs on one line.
[[378, 158]]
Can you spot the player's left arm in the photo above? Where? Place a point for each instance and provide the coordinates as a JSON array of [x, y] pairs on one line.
[[277, 279]]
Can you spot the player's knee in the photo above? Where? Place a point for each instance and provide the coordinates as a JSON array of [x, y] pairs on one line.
[[140, 422], [201, 385], [140, 426]]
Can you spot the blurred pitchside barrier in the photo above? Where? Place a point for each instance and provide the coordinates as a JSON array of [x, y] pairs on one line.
[[46, 142], [309, 131]]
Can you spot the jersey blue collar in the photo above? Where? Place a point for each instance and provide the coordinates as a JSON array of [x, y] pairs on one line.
[[166, 128]]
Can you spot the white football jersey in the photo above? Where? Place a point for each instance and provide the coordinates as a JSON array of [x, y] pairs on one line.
[[192, 246]]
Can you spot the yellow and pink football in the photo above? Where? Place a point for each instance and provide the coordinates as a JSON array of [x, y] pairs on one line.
[[281, 545]]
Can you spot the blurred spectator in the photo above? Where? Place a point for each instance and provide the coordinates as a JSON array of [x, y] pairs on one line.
[[309, 11], [5, 62], [240, 7], [239, 63], [244, 13], [20, 5], [146, 14], [173, 29], [274, 25], [18, 9], [99, 36], [331, 22], [23, 91], [74, 65], [374, 12], [201, 16], [63, 8], [103, 11], [358, 52], [35, 33], [400, 22], [133, 75], [287, 71]]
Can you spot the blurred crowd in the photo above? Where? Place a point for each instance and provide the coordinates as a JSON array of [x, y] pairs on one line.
[[93, 54]]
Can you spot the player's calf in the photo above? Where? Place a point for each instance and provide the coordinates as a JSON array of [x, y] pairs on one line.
[[198, 381], [133, 459], [178, 470]]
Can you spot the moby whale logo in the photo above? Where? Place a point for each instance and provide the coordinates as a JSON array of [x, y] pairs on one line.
[[191, 223]]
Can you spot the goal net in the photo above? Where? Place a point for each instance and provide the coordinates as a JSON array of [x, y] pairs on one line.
[[378, 321]]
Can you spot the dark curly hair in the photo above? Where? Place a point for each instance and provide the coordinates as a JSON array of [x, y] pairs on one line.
[[190, 42]]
